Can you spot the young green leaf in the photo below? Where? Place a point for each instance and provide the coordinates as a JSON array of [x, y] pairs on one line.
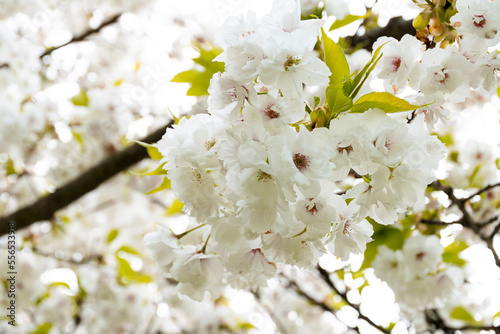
[[199, 79], [152, 150], [163, 186], [157, 171], [382, 100], [336, 61], [361, 77], [451, 252], [460, 313], [112, 235], [348, 20], [175, 208], [81, 99]]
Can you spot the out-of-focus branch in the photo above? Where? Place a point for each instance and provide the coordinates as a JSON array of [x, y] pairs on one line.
[[397, 27], [479, 192], [466, 220], [46, 207], [434, 319], [326, 277], [84, 35], [325, 307]]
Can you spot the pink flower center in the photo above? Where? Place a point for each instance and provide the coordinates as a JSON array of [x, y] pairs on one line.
[[271, 113], [479, 21], [301, 161], [396, 63]]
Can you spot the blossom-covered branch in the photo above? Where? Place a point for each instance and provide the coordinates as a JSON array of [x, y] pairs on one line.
[[46, 207]]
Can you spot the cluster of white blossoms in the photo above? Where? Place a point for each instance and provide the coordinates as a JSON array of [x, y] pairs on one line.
[[440, 75], [268, 188], [417, 274]]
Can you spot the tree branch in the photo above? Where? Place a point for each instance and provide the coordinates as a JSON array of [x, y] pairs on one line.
[[434, 319], [84, 35], [467, 220], [45, 208], [315, 302], [397, 27], [326, 277], [479, 192]]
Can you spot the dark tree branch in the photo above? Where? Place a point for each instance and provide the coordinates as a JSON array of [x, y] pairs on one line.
[[326, 277], [397, 27], [467, 220], [479, 192], [46, 207], [84, 35], [320, 304], [434, 319], [435, 222]]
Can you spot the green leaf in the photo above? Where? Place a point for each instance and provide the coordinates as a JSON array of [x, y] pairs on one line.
[[9, 167], [382, 100], [348, 20], [460, 313], [112, 235], [199, 79], [498, 91], [245, 326], [42, 297], [81, 99], [158, 171], [336, 100], [43, 329], [126, 275], [152, 150], [446, 139], [64, 284], [451, 252], [337, 63], [127, 249], [78, 138], [391, 237], [335, 60], [361, 77], [316, 102], [473, 176], [175, 208], [163, 186], [497, 314]]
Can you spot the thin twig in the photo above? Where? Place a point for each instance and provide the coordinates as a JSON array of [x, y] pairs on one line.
[[479, 192], [315, 302], [98, 258], [434, 319], [326, 277], [467, 220], [84, 35]]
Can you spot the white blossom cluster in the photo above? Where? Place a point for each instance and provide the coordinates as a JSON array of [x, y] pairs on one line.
[[416, 273], [270, 191], [437, 75]]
